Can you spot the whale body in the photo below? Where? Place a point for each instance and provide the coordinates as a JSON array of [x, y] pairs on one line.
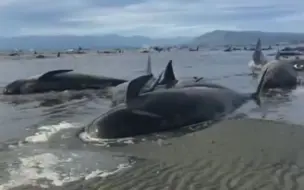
[[60, 80], [167, 109]]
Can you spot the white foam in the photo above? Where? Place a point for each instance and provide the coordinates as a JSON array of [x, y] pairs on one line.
[[255, 68], [44, 170], [298, 91], [100, 173], [33, 168], [45, 132], [104, 142]]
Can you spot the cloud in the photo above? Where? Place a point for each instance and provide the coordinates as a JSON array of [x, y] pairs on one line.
[[154, 18]]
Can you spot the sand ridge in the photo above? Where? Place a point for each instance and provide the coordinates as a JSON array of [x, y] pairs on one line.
[[233, 154]]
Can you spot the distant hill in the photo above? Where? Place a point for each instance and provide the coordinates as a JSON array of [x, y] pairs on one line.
[[222, 37], [69, 41]]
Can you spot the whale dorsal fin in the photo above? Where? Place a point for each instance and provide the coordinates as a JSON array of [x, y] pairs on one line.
[[135, 86], [155, 83], [258, 56], [168, 75], [50, 74], [258, 46], [149, 69]]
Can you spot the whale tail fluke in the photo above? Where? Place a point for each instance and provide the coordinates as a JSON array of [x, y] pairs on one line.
[[256, 96]]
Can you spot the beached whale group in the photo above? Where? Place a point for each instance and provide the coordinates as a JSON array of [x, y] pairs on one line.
[[283, 73], [149, 103]]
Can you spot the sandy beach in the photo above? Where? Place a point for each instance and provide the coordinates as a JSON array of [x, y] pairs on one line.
[[234, 154]]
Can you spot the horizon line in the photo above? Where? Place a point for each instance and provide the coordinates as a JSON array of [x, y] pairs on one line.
[[130, 36]]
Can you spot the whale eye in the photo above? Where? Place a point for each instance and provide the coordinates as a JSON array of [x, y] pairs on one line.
[[298, 66]]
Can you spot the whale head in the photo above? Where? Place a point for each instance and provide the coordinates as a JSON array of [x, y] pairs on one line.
[[19, 87]]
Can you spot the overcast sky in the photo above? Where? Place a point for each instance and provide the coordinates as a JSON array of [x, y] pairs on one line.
[[153, 18]]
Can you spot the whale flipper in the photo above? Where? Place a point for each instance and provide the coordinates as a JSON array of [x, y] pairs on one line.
[[135, 86], [257, 94], [168, 75], [149, 69], [50, 74]]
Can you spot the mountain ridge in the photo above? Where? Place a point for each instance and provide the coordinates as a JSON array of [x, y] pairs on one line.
[[228, 37], [213, 38], [88, 41]]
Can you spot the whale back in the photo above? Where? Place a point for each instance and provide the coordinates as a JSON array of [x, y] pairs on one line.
[[50, 74]]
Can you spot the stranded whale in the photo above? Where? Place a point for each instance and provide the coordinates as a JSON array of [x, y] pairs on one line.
[[167, 109], [60, 80], [281, 73]]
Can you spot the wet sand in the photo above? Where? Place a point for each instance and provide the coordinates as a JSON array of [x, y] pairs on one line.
[[233, 154]]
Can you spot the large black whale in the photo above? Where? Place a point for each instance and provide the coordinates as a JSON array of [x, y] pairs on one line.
[[60, 80], [167, 109]]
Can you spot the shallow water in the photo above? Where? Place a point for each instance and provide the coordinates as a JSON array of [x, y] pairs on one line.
[[39, 142]]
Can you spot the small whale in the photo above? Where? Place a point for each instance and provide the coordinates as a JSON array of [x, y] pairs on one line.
[[258, 58], [60, 80], [281, 74], [167, 109]]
